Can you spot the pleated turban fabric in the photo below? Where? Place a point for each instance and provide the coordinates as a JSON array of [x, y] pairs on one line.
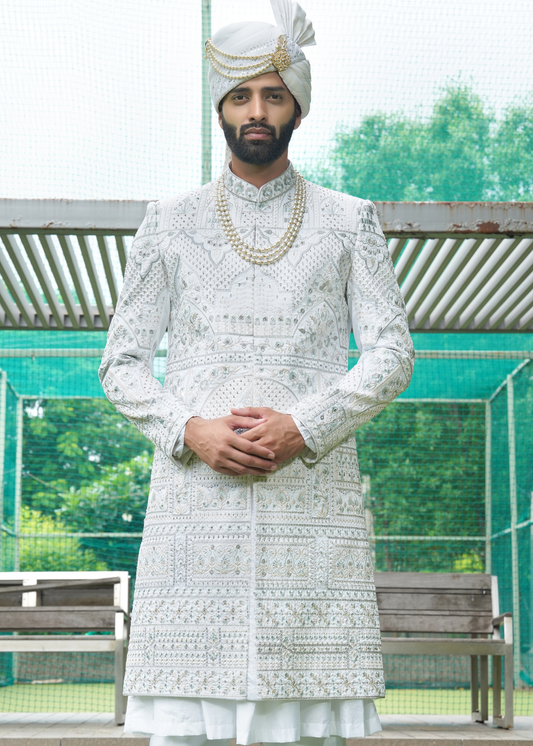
[[242, 51]]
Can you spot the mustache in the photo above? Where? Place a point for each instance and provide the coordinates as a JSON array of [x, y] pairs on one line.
[[247, 127]]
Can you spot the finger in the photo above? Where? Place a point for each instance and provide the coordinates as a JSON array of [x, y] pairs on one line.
[[244, 445], [247, 422], [250, 461], [252, 435], [257, 412]]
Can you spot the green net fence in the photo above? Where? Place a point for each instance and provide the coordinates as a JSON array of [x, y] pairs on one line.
[[447, 488]]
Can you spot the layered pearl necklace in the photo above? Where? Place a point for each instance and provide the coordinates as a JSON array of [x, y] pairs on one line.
[[270, 253]]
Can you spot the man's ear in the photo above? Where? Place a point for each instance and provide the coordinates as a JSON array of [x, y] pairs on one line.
[[220, 119], [298, 110]]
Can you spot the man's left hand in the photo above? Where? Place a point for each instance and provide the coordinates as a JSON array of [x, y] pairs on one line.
[[279, 433]]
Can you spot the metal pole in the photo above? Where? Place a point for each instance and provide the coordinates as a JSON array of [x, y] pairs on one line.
[[206, 98], [18, 483], [3, 413], [488, 487], [515, 578], [531, 575]]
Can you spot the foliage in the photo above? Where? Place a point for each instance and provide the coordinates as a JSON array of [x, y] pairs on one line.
[[69, 443], [113, 503], [422, 459], [512, 154], [52, 553], [460, 153]]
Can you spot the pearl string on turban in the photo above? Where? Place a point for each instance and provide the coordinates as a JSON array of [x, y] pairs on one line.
[[242, 51]]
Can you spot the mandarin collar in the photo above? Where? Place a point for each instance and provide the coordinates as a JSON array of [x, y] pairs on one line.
[[268, 191]]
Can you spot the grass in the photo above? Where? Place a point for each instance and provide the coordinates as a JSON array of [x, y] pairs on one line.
[[57, 698], [443, 702], [100, 698]]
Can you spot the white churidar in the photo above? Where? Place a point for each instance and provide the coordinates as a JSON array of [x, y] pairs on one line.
[[257, 588], [242, 49], [208, 722]]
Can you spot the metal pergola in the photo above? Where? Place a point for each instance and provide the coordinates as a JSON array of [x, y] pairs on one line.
[[462, 267]]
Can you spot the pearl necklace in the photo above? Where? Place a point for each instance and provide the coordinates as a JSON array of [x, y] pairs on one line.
[[270, 253]]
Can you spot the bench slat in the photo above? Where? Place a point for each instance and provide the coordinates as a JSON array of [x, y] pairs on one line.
[[448, 602], [440, 623], [407, 581], [55, 618]]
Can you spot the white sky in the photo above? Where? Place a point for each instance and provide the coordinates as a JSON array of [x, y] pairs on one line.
[[100, 99]]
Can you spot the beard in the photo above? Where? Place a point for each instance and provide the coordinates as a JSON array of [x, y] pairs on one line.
[[258, 152]]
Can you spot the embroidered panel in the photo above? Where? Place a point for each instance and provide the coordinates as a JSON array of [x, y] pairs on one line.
[[257, 587]]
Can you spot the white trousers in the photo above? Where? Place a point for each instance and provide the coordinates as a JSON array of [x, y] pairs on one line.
[[192, 721]]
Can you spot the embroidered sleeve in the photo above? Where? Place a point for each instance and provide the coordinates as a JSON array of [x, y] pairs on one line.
[[139, 323], [381, 331]]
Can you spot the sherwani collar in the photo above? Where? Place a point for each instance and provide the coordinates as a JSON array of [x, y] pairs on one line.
[[268, 191]]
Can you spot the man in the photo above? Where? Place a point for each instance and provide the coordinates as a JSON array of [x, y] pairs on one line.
[[255, 613]]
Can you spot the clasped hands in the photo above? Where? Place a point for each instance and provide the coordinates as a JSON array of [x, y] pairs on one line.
[[271, 438]]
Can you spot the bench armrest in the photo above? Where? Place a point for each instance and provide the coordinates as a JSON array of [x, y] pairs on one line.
[[499, 619], [505, 621]]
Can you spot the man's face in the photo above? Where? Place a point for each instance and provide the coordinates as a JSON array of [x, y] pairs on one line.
[[258, 119]]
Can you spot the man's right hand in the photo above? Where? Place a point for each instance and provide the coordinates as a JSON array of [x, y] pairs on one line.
[[217, 445]]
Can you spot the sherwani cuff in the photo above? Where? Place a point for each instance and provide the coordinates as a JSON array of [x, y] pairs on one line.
[[177, 430], [309, 452], [181, 452]]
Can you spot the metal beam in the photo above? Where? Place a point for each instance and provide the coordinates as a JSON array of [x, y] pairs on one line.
[[25, 279], [105, 253], [121, 251], [206, 97], [400, 219], [449, 280], [467, 283], [488, 487], [408, 257], [420, 266], [60, 278], [73, 267], [15, 290], [93, 278], [453, 218], [396, 247], [510, 277], [44, 279], [515, 578], [492, 279]]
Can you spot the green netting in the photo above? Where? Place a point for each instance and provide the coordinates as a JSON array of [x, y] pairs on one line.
[[76, 478]]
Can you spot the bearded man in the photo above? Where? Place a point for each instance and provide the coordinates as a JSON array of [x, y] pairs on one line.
[[255, 613]]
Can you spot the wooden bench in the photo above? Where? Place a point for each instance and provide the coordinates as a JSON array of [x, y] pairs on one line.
[[77, 602], [451, 604]]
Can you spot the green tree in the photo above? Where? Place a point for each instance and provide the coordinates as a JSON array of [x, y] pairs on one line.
[[113, 503], [38, 552], [71, 442], [422, 460], [511, 154], [461, 153]]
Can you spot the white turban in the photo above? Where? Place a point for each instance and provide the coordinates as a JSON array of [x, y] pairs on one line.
[[242, 51]]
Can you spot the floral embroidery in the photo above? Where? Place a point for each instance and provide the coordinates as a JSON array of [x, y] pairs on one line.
[[288, 550]]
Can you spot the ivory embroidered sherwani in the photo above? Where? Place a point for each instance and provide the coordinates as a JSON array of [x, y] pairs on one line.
[[257, 587]]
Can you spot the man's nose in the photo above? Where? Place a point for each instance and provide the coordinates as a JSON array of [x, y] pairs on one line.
[[257, 111]]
